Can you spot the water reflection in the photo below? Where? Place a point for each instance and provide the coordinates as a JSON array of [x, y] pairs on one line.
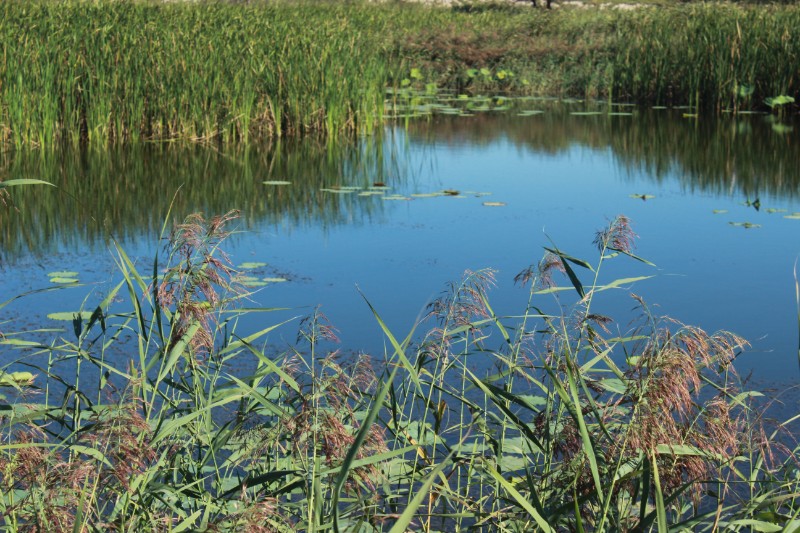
[[747, 154], [128, 192]]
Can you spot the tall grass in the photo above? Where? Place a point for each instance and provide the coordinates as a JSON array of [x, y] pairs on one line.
[[549, 420], [124, 71], [117, 72]]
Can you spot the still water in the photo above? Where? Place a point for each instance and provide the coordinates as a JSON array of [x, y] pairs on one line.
[[715, 204]]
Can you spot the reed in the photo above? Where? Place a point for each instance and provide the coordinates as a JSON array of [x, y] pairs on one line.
[[119, 72], [116, 72], [548, 420]]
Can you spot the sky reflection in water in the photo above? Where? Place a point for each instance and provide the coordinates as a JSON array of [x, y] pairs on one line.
[[561, 177]]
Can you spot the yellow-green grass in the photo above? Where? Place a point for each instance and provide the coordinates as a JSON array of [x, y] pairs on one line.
[[117, 72]]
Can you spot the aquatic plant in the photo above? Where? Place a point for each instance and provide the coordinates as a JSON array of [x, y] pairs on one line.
[[547, 420], [120, 72]]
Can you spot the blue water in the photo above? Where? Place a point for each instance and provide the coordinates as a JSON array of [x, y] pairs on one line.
[[400, 255]]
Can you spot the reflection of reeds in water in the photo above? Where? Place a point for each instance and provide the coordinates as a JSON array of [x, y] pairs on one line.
[[741, 153], [128, 191]]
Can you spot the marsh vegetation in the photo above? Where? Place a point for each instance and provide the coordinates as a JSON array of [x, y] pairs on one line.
[[576, 428], [180, 396], [119, 72]]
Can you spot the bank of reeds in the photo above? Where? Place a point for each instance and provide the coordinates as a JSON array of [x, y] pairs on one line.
[[116, 72], [124, 71], [543, 421]]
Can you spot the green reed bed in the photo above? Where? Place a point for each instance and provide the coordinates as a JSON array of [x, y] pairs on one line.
[[123, 71], [114, 72], [572, 425], [712, 55]]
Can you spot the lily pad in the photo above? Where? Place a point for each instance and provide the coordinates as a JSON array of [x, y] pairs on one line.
[[494, 204], [585, 113], [719, 211], [746, 225], [426, 194], [793, 216], [63, 281], [338, 191], [275, 280], [254, 284], [63, 274], [396, 197], [252, 265], [642, 196], [774, 210], [451, 192], [277, 182], [370, 193]]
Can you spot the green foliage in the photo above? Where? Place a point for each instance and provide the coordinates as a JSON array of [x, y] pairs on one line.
[[568, 425], [116, 72], [113, 72]]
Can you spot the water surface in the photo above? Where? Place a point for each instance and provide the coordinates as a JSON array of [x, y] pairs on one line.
[[718, 193]]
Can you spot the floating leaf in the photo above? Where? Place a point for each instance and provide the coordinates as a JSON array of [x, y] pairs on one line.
[[277, 182], [690, 115], [774, 210], [494, 204], [275, 280], [16, 379], [426, 194], [338, 191], [746, 225], [370, 193], [530, 113], [63, 281], [793, 216], [585, 113], [248, 266], [620, 114], [779, 100], [254, 284], [719, 211], [642, 196], [396, 197], [450, 192], [63, 274], [69, 316]]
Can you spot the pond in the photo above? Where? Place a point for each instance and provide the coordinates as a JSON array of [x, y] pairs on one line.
[[397, 216]]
